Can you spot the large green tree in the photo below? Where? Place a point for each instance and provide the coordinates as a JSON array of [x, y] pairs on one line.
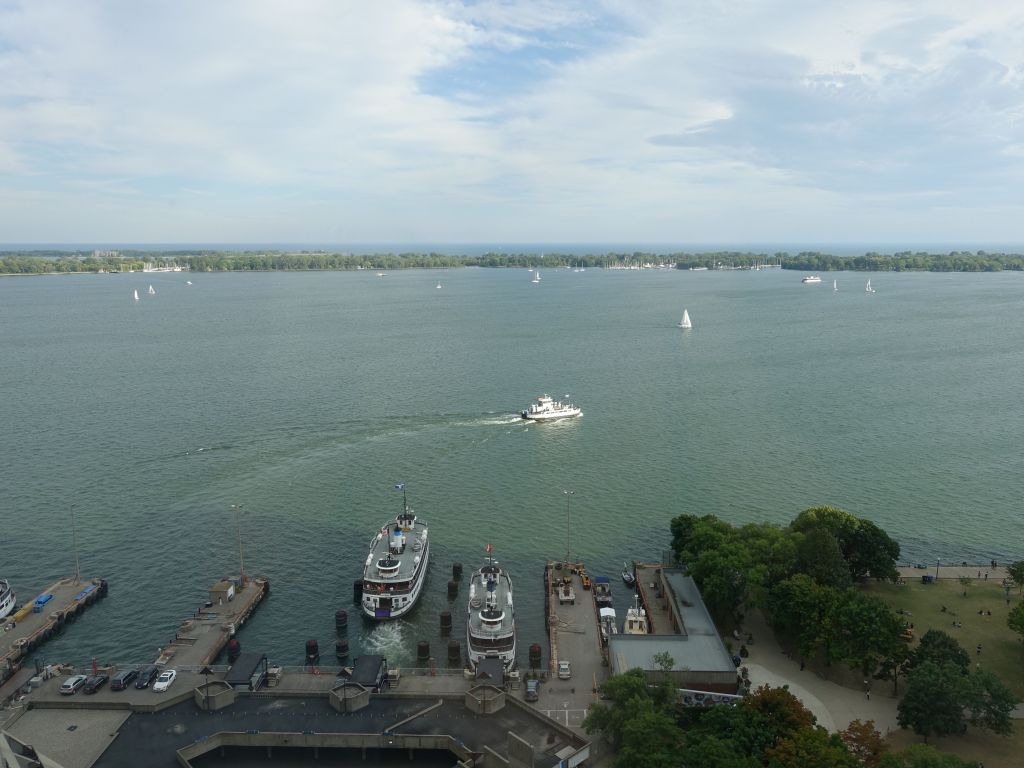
[[1015, 620], [940, 648], [934, 702], [923, 756], [866, 548], [811, 748], [990, 703], [1016, 571], [819, 555]]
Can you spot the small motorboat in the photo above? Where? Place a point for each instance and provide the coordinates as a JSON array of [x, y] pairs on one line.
[[627, 576]]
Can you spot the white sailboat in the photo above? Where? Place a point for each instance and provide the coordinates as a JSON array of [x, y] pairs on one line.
[[835, 286], [438, 283], [536, 276], [151, 291], [135, 294], [868, 288], [685, 322]]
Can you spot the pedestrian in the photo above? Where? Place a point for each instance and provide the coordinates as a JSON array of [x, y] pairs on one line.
[[979, 649], [986, 575]]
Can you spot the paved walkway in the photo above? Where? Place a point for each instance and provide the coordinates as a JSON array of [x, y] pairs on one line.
[[833, 705]]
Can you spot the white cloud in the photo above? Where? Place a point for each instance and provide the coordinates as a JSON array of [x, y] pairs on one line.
[[509, 120]]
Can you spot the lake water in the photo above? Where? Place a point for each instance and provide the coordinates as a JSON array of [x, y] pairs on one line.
[[304, 397]]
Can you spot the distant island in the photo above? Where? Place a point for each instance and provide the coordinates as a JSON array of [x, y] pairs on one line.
[[38, 262]]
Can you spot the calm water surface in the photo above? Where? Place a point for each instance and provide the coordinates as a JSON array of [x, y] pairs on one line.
[[304, 397]]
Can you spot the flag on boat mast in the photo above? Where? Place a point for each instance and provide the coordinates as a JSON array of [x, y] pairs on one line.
[[488, 549], [399, 486]]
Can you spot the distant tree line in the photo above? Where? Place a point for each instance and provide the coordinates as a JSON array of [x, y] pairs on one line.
[[57, 261]]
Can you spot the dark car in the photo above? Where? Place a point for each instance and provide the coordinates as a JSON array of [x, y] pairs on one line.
[[123, 679], [532, 690], [147, 675], [95, 682]]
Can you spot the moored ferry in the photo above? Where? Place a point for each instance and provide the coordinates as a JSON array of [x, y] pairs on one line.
[[7, 598], [811, 279], [491, 618], [396, 566]]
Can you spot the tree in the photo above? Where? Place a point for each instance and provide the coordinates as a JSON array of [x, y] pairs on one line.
[[1016, 571], [649, 737], [990, 703], [938, 647], [664, 661], [811, 748], [781, 711], [1015, 620], [965, 582], [798, 607], [863, 630], [923, 756], [819, 556], [935, 699], [866, 548], [625, 693], [864, 742]]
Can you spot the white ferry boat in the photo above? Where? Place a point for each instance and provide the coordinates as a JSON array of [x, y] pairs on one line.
[[548, 409], [811, 279], [396, 567], [491, 618], [7, 598]]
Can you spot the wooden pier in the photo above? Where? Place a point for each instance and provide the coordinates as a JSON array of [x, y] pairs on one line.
[[42, 617]]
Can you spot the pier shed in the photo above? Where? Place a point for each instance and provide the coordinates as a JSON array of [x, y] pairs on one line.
[[249, 669]]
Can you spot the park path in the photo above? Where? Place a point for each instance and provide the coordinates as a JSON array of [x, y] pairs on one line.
[[833, 705]]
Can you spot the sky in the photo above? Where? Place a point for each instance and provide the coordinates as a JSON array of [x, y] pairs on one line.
[[887, 121]]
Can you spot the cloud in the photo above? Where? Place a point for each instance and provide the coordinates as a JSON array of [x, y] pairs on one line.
[[517, 121]]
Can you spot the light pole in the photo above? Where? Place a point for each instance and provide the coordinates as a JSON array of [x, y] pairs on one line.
[[74, 545], [238, 529], [568, 495], [206, 672], [937, 561]]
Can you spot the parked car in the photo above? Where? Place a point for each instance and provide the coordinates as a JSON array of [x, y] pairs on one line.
[[95, 682], [532, 690], [123, 679], [72, 684], [146, 676], [164, 681], [564, 670]]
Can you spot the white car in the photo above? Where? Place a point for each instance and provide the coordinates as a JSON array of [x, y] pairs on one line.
[[164, 681], [72, 684], [564, 670]]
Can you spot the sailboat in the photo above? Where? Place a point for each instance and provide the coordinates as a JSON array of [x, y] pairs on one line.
[[135, 294], [438, 283], [151, 291], [868, 288], [536, 276], [835, 286], [685, 322]]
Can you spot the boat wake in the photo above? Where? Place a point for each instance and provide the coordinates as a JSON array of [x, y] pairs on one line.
[[387, 639]]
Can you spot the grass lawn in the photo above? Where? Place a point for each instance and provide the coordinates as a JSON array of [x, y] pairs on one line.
[[1002, 651], [976, 744]]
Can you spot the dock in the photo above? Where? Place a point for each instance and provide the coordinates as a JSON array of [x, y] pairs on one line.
[[573, 635], [41, 618], [201, 637]]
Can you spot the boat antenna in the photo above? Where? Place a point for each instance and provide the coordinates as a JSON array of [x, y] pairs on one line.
[[568, 495]]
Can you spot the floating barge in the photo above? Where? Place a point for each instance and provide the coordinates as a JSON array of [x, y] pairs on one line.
[[37, 621]]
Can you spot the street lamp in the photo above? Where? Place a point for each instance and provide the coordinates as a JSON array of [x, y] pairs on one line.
[[74, 545], [568, 495], [238, 529], [937, 561]]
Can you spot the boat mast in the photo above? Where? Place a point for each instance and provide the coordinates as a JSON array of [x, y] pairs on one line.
[[405, 501]]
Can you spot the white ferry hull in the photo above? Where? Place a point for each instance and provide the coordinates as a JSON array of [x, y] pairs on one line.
[[7, 603], [551, 416], [508, 657], [376, 606]]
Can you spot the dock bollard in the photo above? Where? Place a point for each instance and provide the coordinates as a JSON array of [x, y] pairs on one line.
[[341, 649], [446, 622], [456, 570], [341, 620], [454, 653], [453, 588], [423, 650], [535, 652], [312, 652], [357, 591]]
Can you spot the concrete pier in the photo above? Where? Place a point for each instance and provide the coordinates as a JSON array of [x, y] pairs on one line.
[[29, 627], [573, 636], [201, 638]]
